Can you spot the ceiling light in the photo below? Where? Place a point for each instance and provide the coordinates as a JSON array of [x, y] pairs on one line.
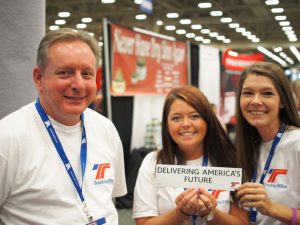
[[277, 10], [272, 2], [205, 5], [277, 49], [170, 27], [255, 40], [280, 17], [81, 25], [226, 41], [196, 27], [284, 23], [185, 21], [293, 39], [271, 55], [138, 1], [240, 29], [53, 27], [190, 35], [64, 14], [172, 15], [59, 22], [295, 51], [289, 32], [159, 22], [86, 20], [289, 60], [107, 1], [199, 38], [181, 31], [213, 34], [226, 20], [141, 17], [287, 28], [234, 25], [100, 43], [205, 31], [206, 41], [216, 13], [221, 38]]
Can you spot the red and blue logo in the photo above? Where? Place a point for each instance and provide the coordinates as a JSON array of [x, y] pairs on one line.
[[100, 173], [274, 173]]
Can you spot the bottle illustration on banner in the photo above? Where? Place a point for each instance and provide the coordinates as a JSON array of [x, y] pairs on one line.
[[119, 84], [141, 68]]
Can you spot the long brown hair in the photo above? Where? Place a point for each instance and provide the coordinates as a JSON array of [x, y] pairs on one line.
[[247, 136], [217, 144]]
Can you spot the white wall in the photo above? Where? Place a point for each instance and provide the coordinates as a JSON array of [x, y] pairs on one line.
[[22, 25]]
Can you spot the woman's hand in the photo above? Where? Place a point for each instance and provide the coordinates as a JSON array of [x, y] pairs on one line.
[[206, 203], [254, 195], [187, 201]]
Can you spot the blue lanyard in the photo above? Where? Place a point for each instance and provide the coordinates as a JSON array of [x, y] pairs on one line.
[[60, 150], [253, 212], [204, 163]]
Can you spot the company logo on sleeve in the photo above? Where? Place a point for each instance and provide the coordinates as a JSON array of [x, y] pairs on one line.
[[272, 181], [101, 171]]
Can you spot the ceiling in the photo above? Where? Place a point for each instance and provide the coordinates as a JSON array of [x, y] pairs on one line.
[[254, 15]]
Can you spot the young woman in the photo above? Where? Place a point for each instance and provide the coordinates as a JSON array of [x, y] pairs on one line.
[[268, 143], [192, 135]]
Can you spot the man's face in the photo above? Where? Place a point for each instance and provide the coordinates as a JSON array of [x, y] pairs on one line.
[[67, 84]]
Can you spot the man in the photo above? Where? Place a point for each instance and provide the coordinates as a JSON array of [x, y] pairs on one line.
[[60, 162]]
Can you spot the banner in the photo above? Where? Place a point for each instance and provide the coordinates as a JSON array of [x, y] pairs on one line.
[[144, 64]]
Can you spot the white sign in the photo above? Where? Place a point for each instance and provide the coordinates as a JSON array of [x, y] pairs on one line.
[[220, 178]]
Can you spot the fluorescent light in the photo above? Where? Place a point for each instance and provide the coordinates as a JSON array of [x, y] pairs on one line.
[[196, 27], [226, 20], [280, 17], [216, 13], [271, 55], [234, 25], [81, 25], [181, 31], [185, 21], [205, 31], [170, 27], [213, 34], [227, 41], [141, 17], [205, 5], [284, 23], [86, 20], [277, 49], [206, 41], [60, 22], [53, 27], [107, 1], [190, 35], [159, 22], [199, 38], [295, 51], [272, 2], [277, 10], [64, 14], [172, 15]]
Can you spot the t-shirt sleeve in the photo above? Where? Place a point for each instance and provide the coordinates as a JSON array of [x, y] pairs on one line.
[[145, 193]]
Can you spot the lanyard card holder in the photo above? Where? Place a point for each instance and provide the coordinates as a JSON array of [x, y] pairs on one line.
[[100, 221]]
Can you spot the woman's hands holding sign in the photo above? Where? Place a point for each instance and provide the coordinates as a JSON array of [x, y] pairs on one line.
[[196, 201]]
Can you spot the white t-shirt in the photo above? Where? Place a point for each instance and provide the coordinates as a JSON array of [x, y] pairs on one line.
[[35, 187], [282, 181], [151, 200]]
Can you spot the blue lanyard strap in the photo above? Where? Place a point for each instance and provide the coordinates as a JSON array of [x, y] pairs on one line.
[[60, 150], [253, 212], [204, 163]]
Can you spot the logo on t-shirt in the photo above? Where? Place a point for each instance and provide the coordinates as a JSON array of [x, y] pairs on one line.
[[221, 199], [273, 180], [101, 170]]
